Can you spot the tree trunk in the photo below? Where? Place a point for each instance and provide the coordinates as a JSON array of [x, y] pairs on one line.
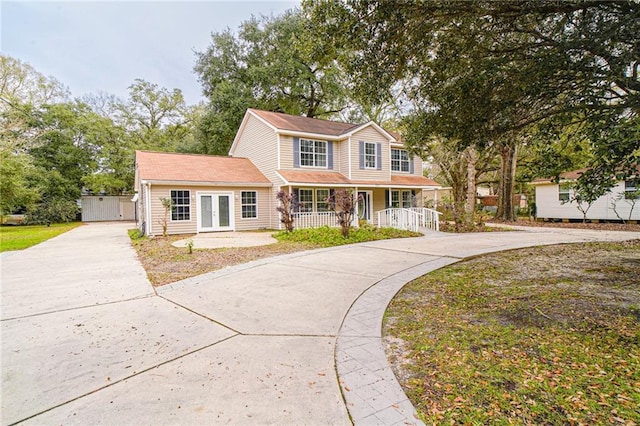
[[471, 184], [508, 158]]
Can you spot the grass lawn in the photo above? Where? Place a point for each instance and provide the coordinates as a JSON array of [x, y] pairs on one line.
[[22, 237], [547, 335], [166, 264]]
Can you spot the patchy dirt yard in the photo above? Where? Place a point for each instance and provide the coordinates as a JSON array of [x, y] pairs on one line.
[[166, 264], [547, 335]]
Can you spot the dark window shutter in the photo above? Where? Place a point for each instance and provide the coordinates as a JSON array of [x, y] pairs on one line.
[[387, 198], [330, 155], [361, 144], [411, 166], [379, 156], [296, 152]]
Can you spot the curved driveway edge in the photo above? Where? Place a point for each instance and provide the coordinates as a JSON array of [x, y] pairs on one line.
[[371, 391]]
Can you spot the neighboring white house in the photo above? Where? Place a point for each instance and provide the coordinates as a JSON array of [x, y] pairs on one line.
[[556, 200]]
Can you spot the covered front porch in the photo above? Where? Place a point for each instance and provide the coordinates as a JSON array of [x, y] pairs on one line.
[[400, 208]]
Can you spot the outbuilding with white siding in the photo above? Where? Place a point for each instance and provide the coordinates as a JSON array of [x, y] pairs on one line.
[[556, 201], [103, 208]]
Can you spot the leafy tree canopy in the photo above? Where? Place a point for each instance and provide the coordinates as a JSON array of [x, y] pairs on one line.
[[279, 64], [491, 72]]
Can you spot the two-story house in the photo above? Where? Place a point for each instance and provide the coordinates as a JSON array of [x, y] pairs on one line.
[[273, 152]]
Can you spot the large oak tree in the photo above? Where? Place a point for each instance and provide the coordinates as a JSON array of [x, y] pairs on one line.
[[489, 72]]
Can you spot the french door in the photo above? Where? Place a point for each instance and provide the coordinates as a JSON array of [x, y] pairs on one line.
[[215, 211]]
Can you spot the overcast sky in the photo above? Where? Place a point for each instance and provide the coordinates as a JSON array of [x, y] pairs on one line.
[[93, 46]]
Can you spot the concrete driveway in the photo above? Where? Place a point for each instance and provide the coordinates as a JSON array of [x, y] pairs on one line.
[[293, 339]]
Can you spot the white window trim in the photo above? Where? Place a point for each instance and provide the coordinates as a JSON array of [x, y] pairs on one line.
[[567, 191], [375, 156], [242, 205], [326, 154], [400, 161], [400, 194], [317, 200], [305, 202], [175, 205]]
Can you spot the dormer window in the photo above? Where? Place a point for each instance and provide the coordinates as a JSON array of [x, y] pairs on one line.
[[313, 153]]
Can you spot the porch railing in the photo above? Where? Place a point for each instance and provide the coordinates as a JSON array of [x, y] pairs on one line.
[[314, 220], [410, 219]]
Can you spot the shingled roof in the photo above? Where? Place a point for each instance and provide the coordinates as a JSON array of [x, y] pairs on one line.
[[171, 167], [297, 123], [335, 178]]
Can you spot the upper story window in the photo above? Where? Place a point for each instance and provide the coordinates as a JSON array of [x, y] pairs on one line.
[[180, 205], [369, 155], [399, 160], [564, 192], [313, 153]]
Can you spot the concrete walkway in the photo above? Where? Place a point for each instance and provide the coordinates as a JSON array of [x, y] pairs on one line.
[[293, 339]]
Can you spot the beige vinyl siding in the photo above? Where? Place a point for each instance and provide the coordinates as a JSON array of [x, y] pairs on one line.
[[259, 143], [340, 163], [139, 205], [378, 203], [157, 212], [417, 165], [338, 160], [286, 152], [369, 134], [191, 226], [265, 213]]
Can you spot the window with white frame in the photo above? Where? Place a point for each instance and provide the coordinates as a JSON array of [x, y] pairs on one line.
[[305, 200], [402, 199], [631, 190], [406, 199], [564, 192], [249, 204], [322, 202], [180, 205], [313, 153], [369, 155], [399, 160], [395, 199]]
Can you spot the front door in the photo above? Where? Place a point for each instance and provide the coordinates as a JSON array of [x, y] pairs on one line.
[[215, 212], [365, 206]]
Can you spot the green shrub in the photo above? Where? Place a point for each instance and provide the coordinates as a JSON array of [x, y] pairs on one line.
[[328, 237], [53, 211]]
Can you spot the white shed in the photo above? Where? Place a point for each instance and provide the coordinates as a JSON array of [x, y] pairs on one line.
[[100, 208], [556, 201]]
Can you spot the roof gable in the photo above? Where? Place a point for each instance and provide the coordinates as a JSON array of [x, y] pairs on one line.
[[164, 166]]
